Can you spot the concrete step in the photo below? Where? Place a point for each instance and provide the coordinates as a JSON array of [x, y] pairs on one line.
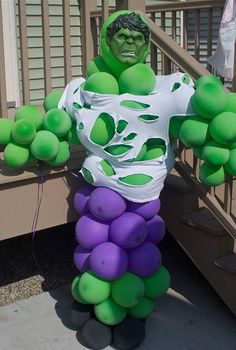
[[181, 194], [204, 220], [202, 238], [227, 262]]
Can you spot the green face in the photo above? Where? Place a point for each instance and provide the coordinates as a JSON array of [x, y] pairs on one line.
[[128, 46]]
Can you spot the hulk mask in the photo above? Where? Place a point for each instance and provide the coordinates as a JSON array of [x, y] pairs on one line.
[[125, 40], [128, 46]]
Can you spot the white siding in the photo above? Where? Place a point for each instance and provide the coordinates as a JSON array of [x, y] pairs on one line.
[[35, 45], [35, 41]]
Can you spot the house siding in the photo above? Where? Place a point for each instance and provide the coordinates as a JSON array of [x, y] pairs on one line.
[[35, 41], [35, 45]]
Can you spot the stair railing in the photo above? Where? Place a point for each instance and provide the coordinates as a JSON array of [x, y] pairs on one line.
[[174, 57], [187, 168]]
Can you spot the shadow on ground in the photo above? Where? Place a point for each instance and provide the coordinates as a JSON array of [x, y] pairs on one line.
[[190, 316], [27, 269]]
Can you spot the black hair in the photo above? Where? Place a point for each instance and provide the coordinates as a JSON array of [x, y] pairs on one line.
[[131, 21]]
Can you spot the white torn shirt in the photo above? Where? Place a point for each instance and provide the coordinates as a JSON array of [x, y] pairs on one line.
[[171, 97]]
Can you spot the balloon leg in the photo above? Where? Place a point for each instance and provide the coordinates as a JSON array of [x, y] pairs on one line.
[[119, 267]]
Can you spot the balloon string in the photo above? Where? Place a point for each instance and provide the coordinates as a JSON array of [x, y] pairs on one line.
[[76, 175], [36, 215]]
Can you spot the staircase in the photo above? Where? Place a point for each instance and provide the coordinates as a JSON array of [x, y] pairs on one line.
[[202, 220], [203, 238]]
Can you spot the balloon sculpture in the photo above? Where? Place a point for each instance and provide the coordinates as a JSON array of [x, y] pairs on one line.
[[125, 116]]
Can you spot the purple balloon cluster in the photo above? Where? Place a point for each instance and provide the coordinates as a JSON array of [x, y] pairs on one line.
[[115, 235]]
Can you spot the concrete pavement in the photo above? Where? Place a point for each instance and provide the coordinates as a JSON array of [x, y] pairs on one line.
[[190, 316]]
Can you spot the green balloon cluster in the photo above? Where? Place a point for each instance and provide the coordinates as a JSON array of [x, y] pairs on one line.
[[32, 136], [212, 133], [138, 79], [5, 130], [102, 83], [129, 294]]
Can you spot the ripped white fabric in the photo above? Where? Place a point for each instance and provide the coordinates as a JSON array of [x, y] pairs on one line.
[[145, 119]]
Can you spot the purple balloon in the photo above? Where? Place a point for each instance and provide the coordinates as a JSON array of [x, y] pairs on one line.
[[81, 199], [156, 229], [147, 210], [81, 258], [106, 204], [108, 261], [128, 231], [90, 231], [145, 259]]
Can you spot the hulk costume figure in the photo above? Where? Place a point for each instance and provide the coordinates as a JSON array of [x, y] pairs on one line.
[[125, 127], [124, 115], [122, 112]]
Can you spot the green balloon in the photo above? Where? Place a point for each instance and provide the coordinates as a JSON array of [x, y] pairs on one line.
[[157, 284], [108, 312], [194, 132], [143, 309], [136, 179], [139, 79], [223, 128], [154, 152], [97, 64], [31, 160], [230, 102], [103, 129], [75, 290], [141, 153], [58, 122], [32, 113], [212, 175], [87, 175], [45, 145], [15, 155], [127, 290], [206, 79], [209, 100], [102, 83], [175, 125], [214, 153], [52, 100], [117, 150], [72, 136], [230, 166], [5, 130], [107, 168], [23, 131], [62, 156], [198, 152], [93, 289]]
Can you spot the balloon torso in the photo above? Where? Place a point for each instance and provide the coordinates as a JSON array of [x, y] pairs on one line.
[[127, 135]]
